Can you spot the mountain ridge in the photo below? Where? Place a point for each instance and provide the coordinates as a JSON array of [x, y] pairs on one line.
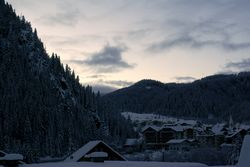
[[217, 96]]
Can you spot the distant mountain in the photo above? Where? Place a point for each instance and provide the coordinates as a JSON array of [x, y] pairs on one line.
[[215, 97], [44, 110]]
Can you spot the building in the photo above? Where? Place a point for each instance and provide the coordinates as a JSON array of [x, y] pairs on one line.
[[86, 152], [131, 145], [179, 145]]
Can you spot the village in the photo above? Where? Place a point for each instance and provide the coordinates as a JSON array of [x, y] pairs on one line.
[[160, 139], [182, 137]]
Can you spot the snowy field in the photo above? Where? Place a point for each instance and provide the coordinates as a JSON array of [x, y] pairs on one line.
[[116, 164], [155, 117]]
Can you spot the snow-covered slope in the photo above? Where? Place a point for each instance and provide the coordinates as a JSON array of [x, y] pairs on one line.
[[117, 164]]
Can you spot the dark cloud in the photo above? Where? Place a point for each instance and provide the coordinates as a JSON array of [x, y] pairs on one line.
[[109, 59], [243, 65], [185, 79], [192, 42], [201, 34]]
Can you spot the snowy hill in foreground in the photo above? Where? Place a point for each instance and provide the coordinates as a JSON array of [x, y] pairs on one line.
[[117, 164]]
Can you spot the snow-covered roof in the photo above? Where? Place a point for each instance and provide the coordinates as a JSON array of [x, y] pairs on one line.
[[177, 128], [218, 129], [227, 145], [131, 142], [85, 150], [11, 157], [176, 141], [150, 126], [244, 159], [117, 164], [235, 133], [97, 155]]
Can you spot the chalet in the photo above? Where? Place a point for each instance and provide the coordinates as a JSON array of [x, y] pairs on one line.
[[206, 140], [150, 134], [157, 137], [236, 137], [227, 148], [93, 148], [165, 134], [131, 145], [179, 145]]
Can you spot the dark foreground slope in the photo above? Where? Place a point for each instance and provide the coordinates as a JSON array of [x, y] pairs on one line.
[[44, 110], [214, 97]]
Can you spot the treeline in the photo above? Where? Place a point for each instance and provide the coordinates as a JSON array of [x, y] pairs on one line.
[[44, 110], [212, 98]]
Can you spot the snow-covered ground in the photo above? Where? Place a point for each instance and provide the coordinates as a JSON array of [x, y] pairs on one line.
[[155, 117], [116, 164]]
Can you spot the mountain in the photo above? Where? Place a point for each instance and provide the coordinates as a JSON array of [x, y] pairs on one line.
[[214, 97], [44, 110]]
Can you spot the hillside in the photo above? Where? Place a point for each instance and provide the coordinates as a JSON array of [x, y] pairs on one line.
[[44, 110], [214, 97]]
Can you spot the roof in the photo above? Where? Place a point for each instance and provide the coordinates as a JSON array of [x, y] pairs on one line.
[[86, 148], [235, 133], [177, 141], [150, 126], [218, 129], [131, 142], [11, 157], [177, 128]]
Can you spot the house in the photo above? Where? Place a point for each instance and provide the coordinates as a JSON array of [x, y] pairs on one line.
[[87, 152], [179, 145], [131, 145], [236, 137], [150, 134], [165, 134], [206, 140], [227, 148]]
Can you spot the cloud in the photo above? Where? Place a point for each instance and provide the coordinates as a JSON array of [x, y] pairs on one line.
[[96, 76], [117, 83], [65, 17], [200, 34], [188, 41], [185, 79], [243, 65], [109, 59]]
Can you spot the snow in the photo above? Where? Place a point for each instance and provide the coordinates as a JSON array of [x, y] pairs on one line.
[[85, 149], [177, 128], [131, 142], [97, 155], [156, 117], [217, 129], [176, 141], [9, 157], [244, 159], [116, 164]]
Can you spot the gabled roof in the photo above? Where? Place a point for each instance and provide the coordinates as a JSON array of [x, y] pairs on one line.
[[150, 126], [76, 156]]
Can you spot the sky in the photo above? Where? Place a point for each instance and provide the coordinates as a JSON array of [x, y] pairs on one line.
[[114, 43]]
